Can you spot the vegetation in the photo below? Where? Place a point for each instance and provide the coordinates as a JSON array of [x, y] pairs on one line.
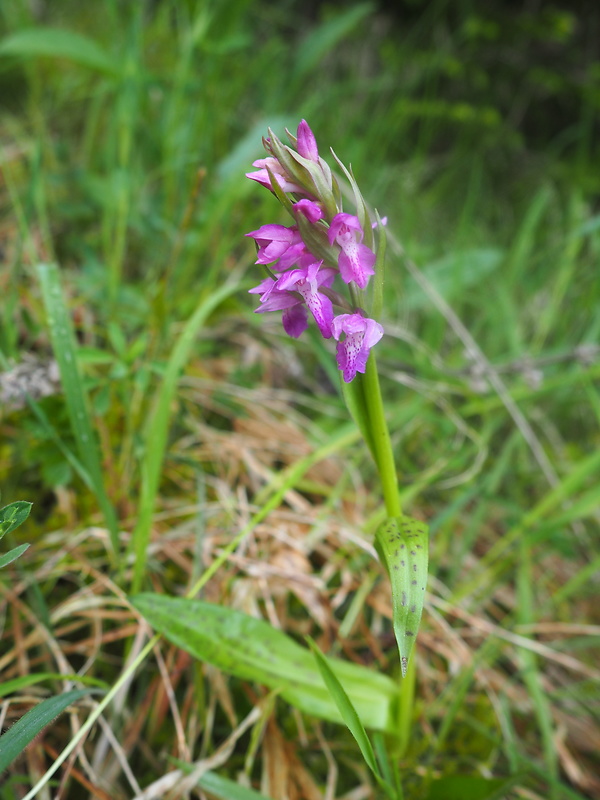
[[173, 443]]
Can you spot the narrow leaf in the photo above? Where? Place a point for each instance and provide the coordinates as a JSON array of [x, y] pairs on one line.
[[226, 789], [16, 739], [58, 43], [12, 555], [13, 515], [23, 681], [403, 545], [65, 351], [347, 710], [251, 649]]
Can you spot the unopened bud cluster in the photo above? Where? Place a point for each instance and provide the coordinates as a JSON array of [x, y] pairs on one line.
[[304, 260]]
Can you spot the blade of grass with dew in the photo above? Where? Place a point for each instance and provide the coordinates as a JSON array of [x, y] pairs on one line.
[[25, 729], [158, 428], [65, 351], [251, 649], [350, 717], [403, 545]]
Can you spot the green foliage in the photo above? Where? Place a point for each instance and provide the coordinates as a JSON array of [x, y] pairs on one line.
[[57, 43], [15, 740], [351, 719], [251, 649], [126, 130], [403, 546], [11, 516]]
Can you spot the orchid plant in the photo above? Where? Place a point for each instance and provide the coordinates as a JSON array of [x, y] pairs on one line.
[[329, 265]]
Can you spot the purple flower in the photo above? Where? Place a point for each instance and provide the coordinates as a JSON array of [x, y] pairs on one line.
[[306, 142], [361, 334], [294, 288], [355, 259], [281, 176], [278, 242], [311, 210]]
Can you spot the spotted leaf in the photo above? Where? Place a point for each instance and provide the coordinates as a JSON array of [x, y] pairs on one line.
[[403, 546]]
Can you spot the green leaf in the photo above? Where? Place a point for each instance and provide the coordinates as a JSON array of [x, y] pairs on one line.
[[59, 43], [251, 649], [225, 789], [157, 431], [403, 545], [16, 739], [65, 350], [469, 787], [23, 681], [12, 555], [347, 710], [13, 515]]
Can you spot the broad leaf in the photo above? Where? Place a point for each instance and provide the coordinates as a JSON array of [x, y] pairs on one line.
[[13, 515], [251, 649], [403, 545]]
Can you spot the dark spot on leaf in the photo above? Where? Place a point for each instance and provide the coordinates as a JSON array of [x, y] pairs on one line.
[[403, 598], [409, 633], [396, 566], [413, 609], [413, 583], [414, 567], [413, 552]]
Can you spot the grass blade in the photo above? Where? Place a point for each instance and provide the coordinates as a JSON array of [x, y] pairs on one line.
[[347, 710], [65, 351], [158, 428], [16, 739]]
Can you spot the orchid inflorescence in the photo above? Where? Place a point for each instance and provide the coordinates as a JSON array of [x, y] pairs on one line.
[[304, 259]]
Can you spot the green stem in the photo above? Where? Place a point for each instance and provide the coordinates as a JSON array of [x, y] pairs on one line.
[[381, 439]]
